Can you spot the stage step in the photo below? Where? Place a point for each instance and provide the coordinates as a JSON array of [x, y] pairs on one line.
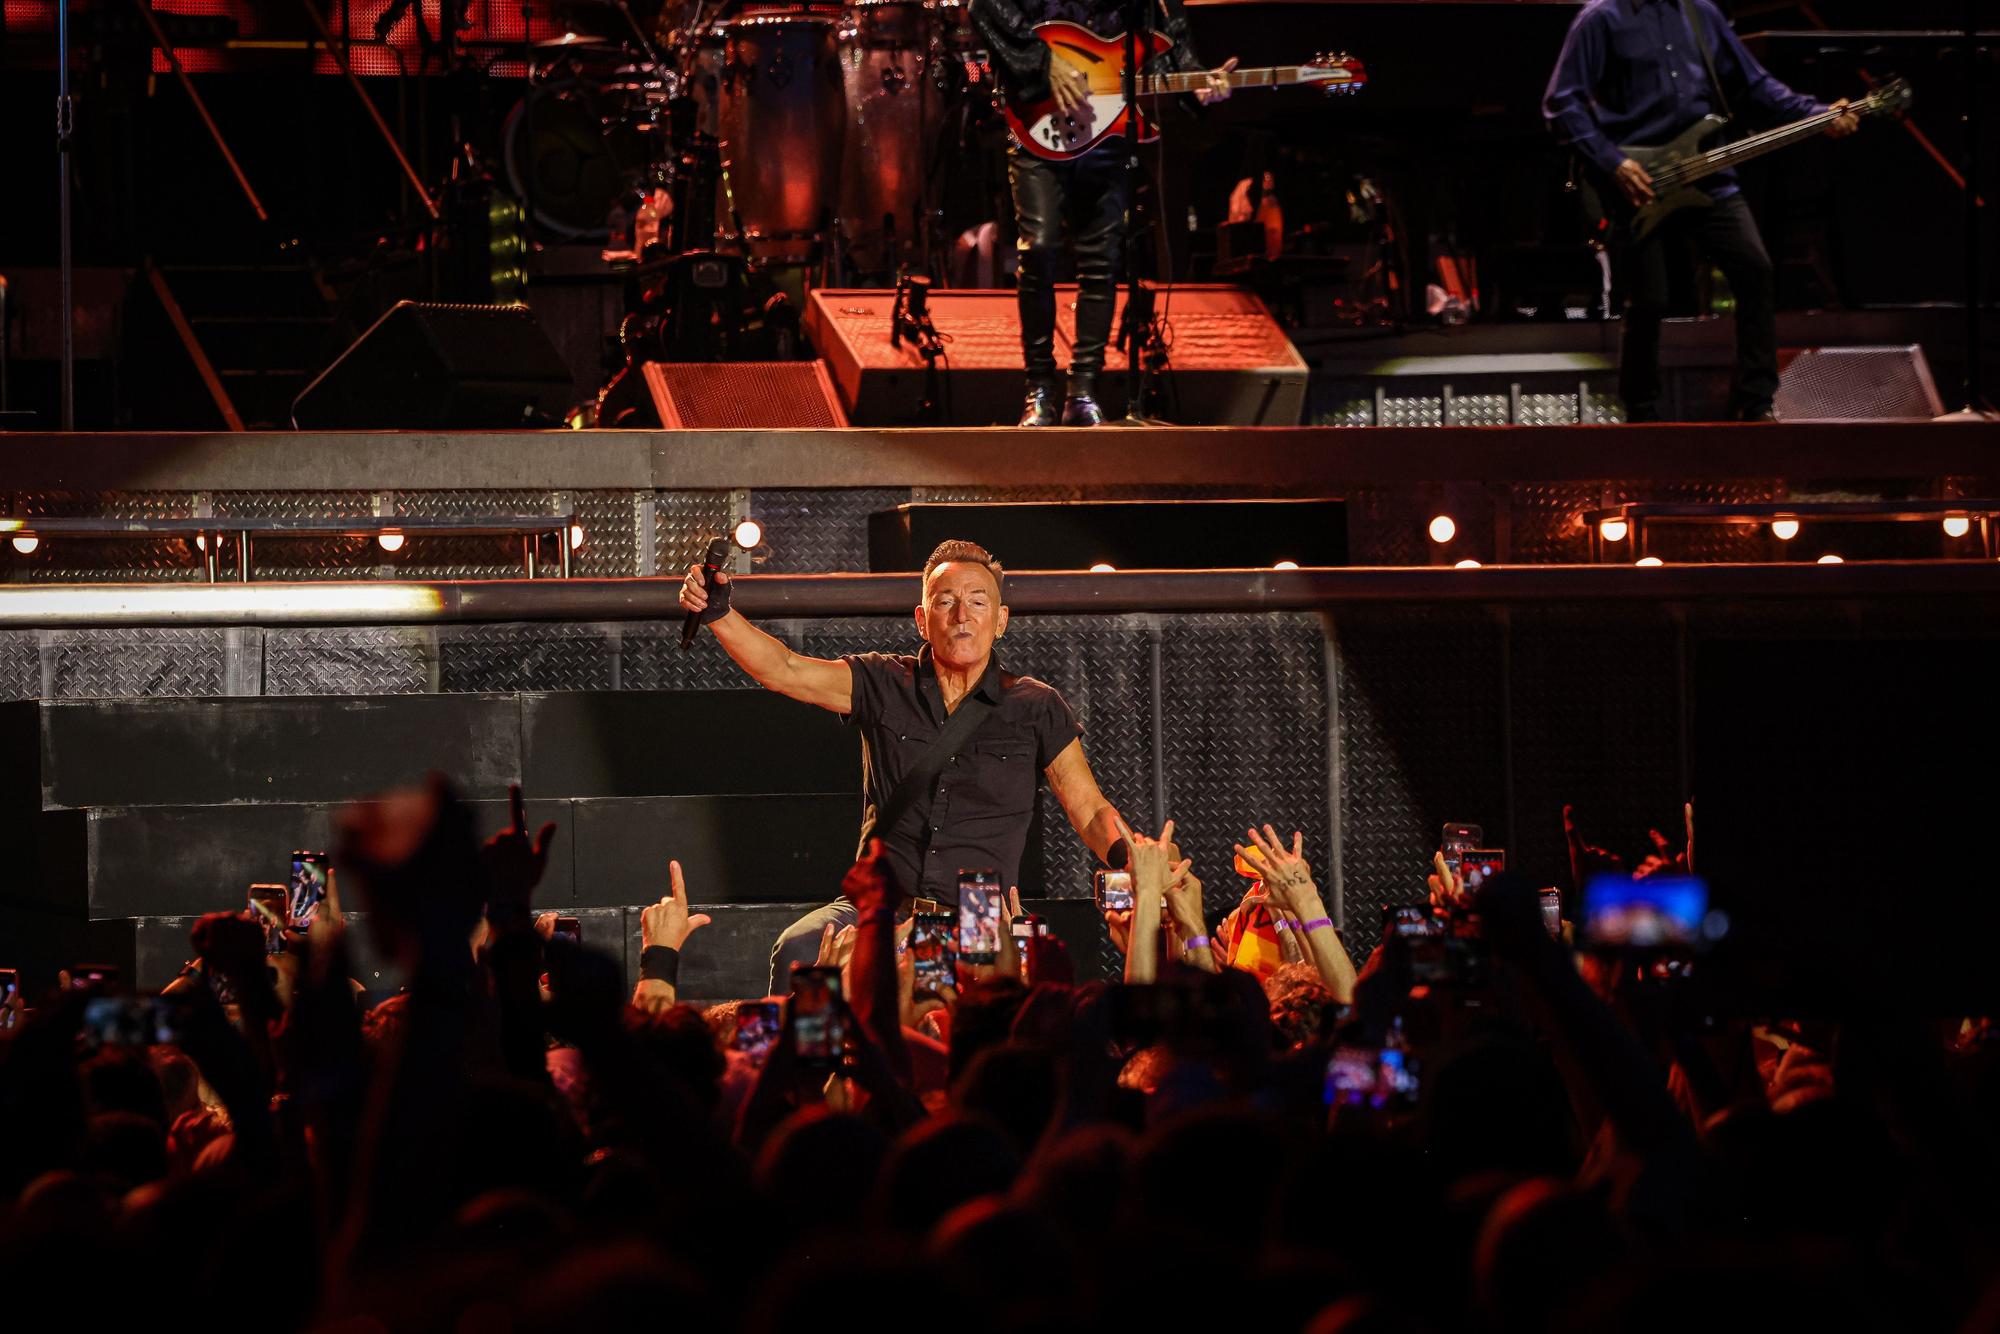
[[328, 749]]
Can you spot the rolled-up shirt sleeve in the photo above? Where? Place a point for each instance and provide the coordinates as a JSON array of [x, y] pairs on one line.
[[1568, 107]]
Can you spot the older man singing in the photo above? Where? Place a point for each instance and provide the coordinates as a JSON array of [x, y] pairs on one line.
[[954, 746]]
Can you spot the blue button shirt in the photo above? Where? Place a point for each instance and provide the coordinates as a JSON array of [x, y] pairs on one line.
[[1630, 73]]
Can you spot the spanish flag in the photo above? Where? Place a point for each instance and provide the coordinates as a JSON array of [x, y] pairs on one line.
[[1249, 935]]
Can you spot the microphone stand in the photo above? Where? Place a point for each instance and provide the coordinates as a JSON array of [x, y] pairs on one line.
[[1138, 331]]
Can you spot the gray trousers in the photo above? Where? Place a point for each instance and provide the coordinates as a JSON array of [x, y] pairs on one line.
[[799, 943]]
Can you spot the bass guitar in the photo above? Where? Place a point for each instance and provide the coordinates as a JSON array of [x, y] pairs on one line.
[[1048, 132], [1678, 166]]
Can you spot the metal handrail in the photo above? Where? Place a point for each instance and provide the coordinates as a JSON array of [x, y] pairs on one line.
[[1896, 584]]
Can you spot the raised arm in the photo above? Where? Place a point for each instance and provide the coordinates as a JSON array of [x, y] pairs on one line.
[[769, 662], [1096, 820]]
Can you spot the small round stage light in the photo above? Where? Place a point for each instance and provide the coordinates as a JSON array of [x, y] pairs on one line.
[[1649, 561], [1442, 529], [1956, 525], [1829, 559], [26, 543], [1467, 564], [1784, 529], [575, 536], [201, 541], [391, 541], [749, 533], [1286, 565], [1613, 530], [1104, 567]]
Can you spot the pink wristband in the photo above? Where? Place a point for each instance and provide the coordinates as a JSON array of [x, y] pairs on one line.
[[1281, 923], [1316, 923], [1194, 943]]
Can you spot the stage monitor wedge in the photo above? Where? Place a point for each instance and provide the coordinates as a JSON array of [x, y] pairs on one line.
[[434, 367], [1230, 364]]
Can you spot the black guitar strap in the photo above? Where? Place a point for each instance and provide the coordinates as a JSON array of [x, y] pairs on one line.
[[1693, 16], [972, 711]]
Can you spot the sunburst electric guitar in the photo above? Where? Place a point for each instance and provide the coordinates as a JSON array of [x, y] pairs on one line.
[[1050, 133]]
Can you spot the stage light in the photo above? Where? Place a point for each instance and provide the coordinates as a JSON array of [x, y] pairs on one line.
[[1104, 567], [390, 541], [1649, 561], [1829, 559], [1784, 529], [1467, 564], [1613, 530], [26, 543], [201, 541], [1286, 565], [749, 533], [1442, 529], [575, 536], [1956, 525]]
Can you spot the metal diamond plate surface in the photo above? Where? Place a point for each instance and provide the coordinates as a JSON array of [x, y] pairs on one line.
[[149, 663], [1423, 410], [1385, 527], [1350, 410], [303, 558], [684, 522], [1602, 407], [1480, 409], [818, 531], [945, 495], [20, 664], [127, 560], [350, 660], [1548, 409], [493, 658], [1419, 721], [1701, 542], [651, 658], [296, 504], [1545, 522], [614, 533], [1594, 703], [496, 557], [1244, 739]]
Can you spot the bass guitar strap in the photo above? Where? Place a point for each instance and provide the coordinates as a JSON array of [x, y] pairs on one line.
[[1692, 13]]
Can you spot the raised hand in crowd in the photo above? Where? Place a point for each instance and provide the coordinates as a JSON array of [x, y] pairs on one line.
[[665, 926], [1288, 880], [1154, 868]]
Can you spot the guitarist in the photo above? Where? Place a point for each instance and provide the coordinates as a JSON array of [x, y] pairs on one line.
[[1640, 72], [1089, 193]]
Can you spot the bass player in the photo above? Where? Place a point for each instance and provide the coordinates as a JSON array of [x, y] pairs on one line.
[[1088, 193], [1639, 72]]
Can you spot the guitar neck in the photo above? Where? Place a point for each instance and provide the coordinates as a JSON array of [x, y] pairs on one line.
[[1743, 150], [1194, 81]]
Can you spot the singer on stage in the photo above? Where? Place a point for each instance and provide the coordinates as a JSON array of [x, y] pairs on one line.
[[1088, 193], [975, 814]]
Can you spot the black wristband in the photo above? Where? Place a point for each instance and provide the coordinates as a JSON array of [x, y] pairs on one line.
[[1119, 855], [660, 963], [718, 599]]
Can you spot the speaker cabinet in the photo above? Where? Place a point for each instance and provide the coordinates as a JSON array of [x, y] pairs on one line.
[[427, 366], [743, 395]]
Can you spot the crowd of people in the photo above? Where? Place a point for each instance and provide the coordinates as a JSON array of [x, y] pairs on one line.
[[1510, 1135]]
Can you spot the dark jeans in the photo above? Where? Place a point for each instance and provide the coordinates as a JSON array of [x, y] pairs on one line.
[[799, 942], [1088, 195], [1726, 235]]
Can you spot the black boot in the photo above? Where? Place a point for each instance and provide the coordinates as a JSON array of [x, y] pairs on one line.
[[1043, 405], [1082, 408]]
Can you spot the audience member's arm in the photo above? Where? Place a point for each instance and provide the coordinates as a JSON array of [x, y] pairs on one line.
[[1288, 880], [664, 928], [827, 683], [871, 888], [1153, 869], [1184, 907], [514, 866]]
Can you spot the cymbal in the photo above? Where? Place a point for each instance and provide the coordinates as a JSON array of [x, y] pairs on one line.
[[572, 39]]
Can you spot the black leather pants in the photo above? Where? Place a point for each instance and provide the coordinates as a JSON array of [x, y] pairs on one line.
[[1087, 195]]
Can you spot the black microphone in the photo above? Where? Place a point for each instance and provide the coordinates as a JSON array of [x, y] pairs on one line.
[[718, 552]]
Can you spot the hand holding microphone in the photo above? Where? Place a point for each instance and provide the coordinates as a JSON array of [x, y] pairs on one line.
[[705, 591]]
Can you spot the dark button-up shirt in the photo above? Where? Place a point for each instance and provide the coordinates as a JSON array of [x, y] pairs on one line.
[[977, 814], [1631, 73]]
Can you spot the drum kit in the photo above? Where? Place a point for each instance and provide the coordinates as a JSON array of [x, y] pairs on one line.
[[806, 135]]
